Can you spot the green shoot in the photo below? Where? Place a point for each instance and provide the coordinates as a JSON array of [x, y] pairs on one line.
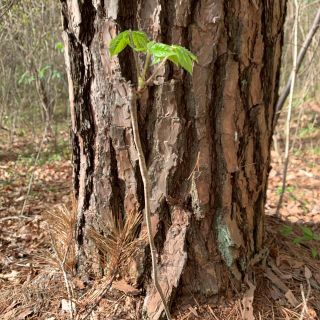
[[180, 56], [159, 53]]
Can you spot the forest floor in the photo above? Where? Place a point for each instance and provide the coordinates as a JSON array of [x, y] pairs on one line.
[[285, 286]]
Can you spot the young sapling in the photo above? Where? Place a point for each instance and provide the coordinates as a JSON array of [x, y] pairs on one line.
[[155, 54]]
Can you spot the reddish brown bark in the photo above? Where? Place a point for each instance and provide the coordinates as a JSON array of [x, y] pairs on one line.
[[206, 138]]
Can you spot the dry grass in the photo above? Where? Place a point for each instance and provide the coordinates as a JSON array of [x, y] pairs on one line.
[[39, 296], [61, 226], [118, 241]]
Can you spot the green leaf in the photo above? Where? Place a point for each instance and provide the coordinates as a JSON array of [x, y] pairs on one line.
[[30, 79], [155, 60], [297, 240], [59, 46], [307, 233], [160, 50], [119, 43], [314, 252], [140, 41], [43, 70], [26, 78], [286, 230], [185, 57], [192, 56], [174, 59], [56, 74], [180, 56]]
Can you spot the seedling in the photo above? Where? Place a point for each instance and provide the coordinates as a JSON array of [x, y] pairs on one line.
[[306, 234], [155, 54], [158, 52], [289, 189]]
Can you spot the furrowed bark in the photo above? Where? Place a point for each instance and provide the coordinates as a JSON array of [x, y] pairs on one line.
[[206, 138]]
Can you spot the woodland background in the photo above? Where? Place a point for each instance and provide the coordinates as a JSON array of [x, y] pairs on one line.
[[35, 168]]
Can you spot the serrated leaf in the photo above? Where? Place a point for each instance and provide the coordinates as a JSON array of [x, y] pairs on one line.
[[185, 51], [119, 43], [140, 41], [174, 59], [160, 50], [180, 56], [149, 45], [185, 57], [155, 60]]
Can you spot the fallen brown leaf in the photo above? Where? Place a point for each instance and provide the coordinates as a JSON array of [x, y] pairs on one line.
[[125, 287]]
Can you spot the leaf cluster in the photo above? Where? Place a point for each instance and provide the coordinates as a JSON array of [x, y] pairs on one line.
[[140, 42], [44, 72], [306, 234]]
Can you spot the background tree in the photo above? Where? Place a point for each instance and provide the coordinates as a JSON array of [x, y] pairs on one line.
[[206, 138], [31, 66]]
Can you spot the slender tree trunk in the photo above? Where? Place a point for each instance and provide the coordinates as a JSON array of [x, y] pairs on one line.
[[206, 138], [46, 104]]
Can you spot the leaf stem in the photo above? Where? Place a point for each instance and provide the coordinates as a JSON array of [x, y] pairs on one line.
[[160, 65], [135, 55], [146, 65]]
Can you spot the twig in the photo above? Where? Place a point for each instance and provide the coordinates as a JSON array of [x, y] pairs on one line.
[[195, 166], [6, 8], [287, 132], [15, 217], [302, 53], [154, 74]]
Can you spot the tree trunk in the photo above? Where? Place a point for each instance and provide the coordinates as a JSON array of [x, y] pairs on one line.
[[206, 138]]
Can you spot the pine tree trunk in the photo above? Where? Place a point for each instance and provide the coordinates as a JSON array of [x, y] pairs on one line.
[[206, 138]]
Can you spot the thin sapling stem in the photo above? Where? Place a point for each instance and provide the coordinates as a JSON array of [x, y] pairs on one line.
[[144, 173], [160, 52]]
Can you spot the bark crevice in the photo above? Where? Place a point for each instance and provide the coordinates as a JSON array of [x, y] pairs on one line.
[[118, 189]]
